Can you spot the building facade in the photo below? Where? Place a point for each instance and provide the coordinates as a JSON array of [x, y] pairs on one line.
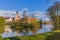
[[17, 17]]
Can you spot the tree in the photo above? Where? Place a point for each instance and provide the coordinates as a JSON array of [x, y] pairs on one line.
[[2, 24], [35, 25], [54, 14], [18, 27], [26, 25]]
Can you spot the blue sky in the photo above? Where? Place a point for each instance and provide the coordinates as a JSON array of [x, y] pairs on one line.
[[9, 7], [32, 5]]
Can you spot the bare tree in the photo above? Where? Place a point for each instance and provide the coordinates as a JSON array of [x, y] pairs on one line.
[[53, 12], [33, 15]]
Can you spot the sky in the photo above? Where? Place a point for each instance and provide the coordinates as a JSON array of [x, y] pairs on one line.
[[32, 5], [9, 7]]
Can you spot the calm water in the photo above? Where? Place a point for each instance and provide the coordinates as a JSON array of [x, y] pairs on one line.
[[45, 28]]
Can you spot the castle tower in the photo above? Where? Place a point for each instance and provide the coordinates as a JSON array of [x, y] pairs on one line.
[[17, 17]]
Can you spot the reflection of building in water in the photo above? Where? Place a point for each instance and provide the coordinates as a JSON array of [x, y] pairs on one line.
[[8, 21], [8, 28], [54, 13]]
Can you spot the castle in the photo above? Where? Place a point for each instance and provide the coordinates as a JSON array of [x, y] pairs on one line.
[[16, 18]]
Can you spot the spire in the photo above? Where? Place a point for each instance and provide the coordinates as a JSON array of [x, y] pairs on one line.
[[24, 13], [17, 18], [16, 12]]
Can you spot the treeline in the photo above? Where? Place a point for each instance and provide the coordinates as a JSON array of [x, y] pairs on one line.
[[21, 25], [26, 25]]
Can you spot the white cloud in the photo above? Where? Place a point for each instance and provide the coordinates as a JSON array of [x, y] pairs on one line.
[[38, 14], [8, 13], [42, 16], [25, 9]]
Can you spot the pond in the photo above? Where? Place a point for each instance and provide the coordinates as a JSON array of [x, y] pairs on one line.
[[45, 28]]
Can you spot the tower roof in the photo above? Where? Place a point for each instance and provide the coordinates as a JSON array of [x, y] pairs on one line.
[[16, 12], [17, 18]]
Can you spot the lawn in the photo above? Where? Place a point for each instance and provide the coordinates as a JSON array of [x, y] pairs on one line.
[[54, 35]]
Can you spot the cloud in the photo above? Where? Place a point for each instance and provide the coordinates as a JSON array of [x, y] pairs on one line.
[[38, 14], [8, 13], [42, 15], [24, 9]]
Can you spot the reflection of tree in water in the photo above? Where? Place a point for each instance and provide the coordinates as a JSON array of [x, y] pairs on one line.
[[55, 36], [14, 38]]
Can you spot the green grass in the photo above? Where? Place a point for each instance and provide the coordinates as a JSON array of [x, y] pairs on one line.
[[35, 37], [57, 31], [54, 35]]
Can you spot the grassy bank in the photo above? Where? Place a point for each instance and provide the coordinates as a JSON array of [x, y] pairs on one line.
[[54, 35]]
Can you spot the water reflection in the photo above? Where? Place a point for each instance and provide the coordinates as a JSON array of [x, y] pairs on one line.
[[7, 34], [45, 28]]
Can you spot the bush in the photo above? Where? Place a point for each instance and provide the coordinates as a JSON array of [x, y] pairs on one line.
[[2, 25]]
